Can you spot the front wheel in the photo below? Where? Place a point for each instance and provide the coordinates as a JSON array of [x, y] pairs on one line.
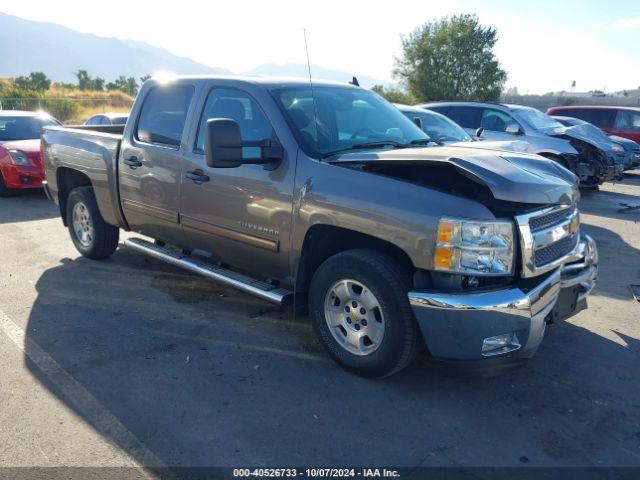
[[360, 311], [93, 237]]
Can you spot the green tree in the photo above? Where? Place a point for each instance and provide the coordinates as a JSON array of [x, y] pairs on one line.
[[36, 81], [97, 83], [451, 59], [131, 86], [394, 95], [84, 80]]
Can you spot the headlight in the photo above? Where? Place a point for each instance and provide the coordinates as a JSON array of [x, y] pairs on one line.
[[18, 158], [474, 248]]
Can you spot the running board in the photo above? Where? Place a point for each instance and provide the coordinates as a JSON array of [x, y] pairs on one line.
[[264, 290]]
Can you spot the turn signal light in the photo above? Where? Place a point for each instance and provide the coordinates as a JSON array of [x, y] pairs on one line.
[[443, 258]]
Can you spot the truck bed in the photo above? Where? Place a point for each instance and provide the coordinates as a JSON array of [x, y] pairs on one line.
[[91, 150]]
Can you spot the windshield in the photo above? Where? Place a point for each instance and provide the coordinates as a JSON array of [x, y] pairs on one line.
[[23, 128], [439, 128], [536, 119], [341, 118]]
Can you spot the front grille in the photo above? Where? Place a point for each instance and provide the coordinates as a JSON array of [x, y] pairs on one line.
[[550, 219], [555, 251], [548, 238]]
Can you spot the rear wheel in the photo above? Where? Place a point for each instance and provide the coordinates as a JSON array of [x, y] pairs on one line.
[[360, 311], [4, 191], [92, 236]]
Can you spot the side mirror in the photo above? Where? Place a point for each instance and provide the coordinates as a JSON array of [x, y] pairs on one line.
[[223, 143], [513, 129], [479, 132], [418, 122], [223, 146]]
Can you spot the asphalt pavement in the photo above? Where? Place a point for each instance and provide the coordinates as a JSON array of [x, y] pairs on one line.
[[129, 362]]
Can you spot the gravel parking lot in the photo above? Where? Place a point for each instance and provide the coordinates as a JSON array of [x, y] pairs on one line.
[[130, 362]]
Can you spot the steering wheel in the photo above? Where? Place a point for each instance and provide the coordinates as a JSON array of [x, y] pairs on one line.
[[360, 131]]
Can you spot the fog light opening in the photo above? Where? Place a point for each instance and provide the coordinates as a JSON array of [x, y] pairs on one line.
[[500, 344]]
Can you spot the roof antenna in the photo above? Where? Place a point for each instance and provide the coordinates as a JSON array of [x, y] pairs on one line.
[[354, 81], [313, 97]]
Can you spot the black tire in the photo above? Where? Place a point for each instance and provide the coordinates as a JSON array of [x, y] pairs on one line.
[[4, 191], [389, 283], [104, 240]]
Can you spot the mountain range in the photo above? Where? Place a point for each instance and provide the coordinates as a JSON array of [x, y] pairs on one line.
[[27, 46]]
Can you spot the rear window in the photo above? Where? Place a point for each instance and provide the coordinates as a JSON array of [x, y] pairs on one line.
[[466, 117], [600, 117], [163, 115]]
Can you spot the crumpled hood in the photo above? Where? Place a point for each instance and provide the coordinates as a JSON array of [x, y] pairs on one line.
[[510, 176], [581, 132]]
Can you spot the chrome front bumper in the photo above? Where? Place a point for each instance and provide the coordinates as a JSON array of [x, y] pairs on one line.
[[457, 325]]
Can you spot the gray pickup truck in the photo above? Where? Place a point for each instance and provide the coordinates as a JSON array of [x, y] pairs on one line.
[[327, 196]]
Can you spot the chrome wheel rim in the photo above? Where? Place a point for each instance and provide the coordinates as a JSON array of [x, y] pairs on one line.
[[354, 317], [82, 224]]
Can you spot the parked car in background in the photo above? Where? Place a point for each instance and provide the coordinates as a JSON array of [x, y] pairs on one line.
[[20, 163], [625, 150], [331, 193], [546, 136], [108, 119], [621, 121], [446, 132]]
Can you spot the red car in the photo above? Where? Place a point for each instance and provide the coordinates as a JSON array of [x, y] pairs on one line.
[[20, 163], [620, 121]]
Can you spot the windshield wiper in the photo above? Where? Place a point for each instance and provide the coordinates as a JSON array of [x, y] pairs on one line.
[[425, 141], [381, 143]]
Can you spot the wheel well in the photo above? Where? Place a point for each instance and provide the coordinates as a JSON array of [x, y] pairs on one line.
[[324, 241], [68, 179]]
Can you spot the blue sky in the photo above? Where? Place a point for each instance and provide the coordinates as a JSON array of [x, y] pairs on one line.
[[544, 45]]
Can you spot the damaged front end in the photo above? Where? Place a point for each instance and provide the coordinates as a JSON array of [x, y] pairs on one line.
[[591, 164]]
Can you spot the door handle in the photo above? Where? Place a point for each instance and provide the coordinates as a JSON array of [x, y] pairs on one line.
[[198, 176], [133, 162]]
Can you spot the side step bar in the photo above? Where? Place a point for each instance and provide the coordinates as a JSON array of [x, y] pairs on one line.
[[264, 290]]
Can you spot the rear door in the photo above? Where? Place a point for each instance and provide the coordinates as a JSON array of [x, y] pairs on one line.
[[241, 216], [151, 160]]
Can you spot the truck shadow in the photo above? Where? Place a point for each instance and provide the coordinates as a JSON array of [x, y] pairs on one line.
[[619, 264], [27, 205], [229, 381]]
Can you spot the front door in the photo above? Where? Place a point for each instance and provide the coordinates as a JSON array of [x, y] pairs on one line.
[[241, 216], [151, 162]]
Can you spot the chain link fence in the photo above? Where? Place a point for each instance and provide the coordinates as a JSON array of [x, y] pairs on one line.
[[68, 110]]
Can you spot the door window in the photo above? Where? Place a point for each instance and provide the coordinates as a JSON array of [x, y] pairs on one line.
[[163, 115], [495, 120], [600, 117], [243, 109], [94, 120], [628, 120], [466, 117]]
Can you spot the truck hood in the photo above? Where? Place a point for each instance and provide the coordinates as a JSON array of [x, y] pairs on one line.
[[506, 145], [510, 176]]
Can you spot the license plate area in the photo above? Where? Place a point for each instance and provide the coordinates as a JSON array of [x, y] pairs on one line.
[[567, 303]]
